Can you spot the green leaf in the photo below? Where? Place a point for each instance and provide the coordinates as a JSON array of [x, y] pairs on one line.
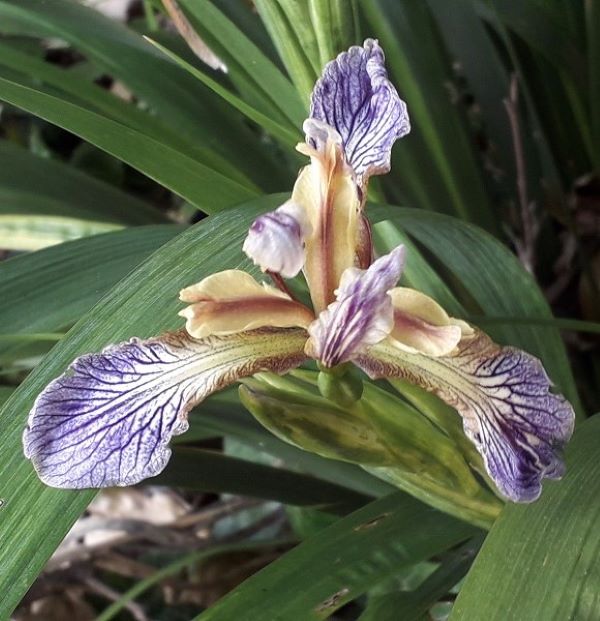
[[33, 185], [143, 304], [288, 137], [226, 474], [342, 561], [247, 65], [334, 25], [67, 280], [182, 102], [540, 561], [290, 50], [97, 99], [412, 606], [436, 164], [24, 232], [206, 188], [471, 45]]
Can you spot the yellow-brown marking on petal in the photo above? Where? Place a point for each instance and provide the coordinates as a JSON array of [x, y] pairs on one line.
[[233, 301]]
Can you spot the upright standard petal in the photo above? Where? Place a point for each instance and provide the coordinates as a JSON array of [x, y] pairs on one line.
[[355, 97], [275, 241], [232, 301], [109, 419], [329, 195], [362, 313], [503, 395]]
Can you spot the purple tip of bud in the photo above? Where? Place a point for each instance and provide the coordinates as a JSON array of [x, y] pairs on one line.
[[275, 241], [355, 97], [362, 314]]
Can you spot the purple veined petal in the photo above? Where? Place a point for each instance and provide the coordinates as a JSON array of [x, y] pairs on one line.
[[503, 395], [275, 241], [362, 313], [355, 97], [109, 419]]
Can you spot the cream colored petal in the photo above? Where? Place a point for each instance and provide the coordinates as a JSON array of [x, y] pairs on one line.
[[232, 301], [228, 285], [327, 190], [422, 325]]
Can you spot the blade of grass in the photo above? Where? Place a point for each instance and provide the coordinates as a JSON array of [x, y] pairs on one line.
[[193, 558], [204, 187], [540, 561], [342, 561], [286, 136], [225, 474]]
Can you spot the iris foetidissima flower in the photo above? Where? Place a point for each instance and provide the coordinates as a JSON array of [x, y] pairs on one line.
[[108, 420]]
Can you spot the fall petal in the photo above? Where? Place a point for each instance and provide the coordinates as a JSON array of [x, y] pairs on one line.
[[108, 420], [503, 395]]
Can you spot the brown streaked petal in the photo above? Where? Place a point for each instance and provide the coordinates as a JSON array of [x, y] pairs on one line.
[[503, 395], [422, 325], [232, 301], [327, 191], [108, 420]]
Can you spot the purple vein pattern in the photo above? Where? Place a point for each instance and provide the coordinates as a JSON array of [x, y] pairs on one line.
[[362, 314], [503, 395], [355, 97], [109, 419]]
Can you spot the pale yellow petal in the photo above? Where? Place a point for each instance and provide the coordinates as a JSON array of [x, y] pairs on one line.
[[327, 190], [232, 301], [422, 325], [228, 285]]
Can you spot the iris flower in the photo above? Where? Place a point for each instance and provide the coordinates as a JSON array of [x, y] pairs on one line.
[[109, 419]]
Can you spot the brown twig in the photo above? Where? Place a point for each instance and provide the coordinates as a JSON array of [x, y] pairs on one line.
[[525, 246], [94, 585]]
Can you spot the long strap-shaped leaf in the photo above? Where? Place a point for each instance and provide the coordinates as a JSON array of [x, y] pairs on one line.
[[35, 518], [206, 188], [182, 102], [541, 561], [342, 561]]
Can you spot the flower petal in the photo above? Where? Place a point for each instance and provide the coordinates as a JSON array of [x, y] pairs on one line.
[[503, 395], [329, 195], [275, 241], [108, 420], [356, 98], [232, 301], [362, 314], [422, 325]]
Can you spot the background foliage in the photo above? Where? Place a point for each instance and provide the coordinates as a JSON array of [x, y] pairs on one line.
[[130, 168]]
